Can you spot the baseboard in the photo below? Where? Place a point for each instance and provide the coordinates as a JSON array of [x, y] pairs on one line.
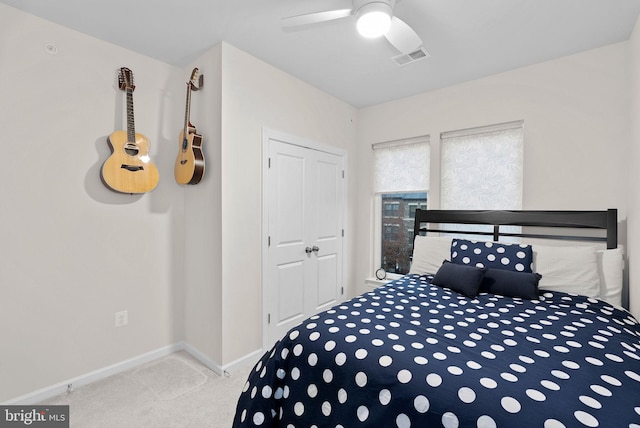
[[206, 361], [44, 394], [249, 359], [227, 369], [60, 388]]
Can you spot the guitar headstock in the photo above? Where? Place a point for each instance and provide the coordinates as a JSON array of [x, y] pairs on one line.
[[194, 76], [125, 79], [192, 80]]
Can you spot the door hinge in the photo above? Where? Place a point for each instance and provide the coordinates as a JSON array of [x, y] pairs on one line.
[[268, 162], [342, 291], [343, 233], [343, 173], [268, 241], [268, 318]]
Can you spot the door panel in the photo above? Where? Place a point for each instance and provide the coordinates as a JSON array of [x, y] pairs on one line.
[[289, 199], [287, 270], [327, 278], [328, 230], [290, 297], [328, 180]]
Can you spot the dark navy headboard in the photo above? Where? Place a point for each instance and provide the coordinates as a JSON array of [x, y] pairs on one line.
[[556, 221]]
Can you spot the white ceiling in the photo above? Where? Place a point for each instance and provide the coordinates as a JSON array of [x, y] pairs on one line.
[[467, 39]]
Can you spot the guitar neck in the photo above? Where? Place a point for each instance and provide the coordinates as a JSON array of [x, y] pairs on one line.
[[187, 111], [131, 127]]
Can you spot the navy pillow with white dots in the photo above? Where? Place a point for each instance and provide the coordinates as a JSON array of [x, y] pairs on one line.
[[495, 255]]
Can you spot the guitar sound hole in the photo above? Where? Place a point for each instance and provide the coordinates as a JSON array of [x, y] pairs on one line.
[[131, 150]]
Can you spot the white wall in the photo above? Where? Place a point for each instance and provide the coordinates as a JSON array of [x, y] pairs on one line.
[[73, 252], [203, 252], [224, 300], [256, 95], [576, 120], [633, 161]]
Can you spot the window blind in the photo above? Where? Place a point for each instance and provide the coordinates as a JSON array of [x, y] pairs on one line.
[[482, 168], [401, 165]]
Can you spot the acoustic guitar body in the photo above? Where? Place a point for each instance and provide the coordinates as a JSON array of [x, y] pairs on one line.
[[129, 168], [189, 165]]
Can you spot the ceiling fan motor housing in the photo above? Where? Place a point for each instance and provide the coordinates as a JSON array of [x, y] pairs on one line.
[[373, 16], [358, 4]]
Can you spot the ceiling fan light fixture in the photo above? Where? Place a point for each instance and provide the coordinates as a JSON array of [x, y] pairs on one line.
[[374, 19]]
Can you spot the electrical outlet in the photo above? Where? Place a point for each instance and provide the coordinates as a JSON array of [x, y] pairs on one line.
[[122, 318]]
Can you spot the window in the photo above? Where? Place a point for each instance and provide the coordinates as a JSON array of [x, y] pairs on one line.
[[401, 171], [414, 206], [391, 208], [481, 168], [391, 232], [397, 229]]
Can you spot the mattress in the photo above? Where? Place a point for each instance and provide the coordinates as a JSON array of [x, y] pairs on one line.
[[412, 354]]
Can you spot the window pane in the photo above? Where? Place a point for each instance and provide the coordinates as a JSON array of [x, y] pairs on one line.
[[398, 214]]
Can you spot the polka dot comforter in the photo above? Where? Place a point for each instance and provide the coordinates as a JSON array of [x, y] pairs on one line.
[[411, 354]]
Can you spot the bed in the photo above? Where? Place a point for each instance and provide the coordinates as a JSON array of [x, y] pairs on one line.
[[463, 342]]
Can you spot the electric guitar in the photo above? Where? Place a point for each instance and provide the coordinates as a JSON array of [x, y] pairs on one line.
[[129, 168], [189, 166]]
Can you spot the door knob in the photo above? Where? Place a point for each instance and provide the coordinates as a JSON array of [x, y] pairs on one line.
[[308, 250], [315, 249]]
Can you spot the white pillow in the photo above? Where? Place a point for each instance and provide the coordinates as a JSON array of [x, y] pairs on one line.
[[610, 266], [428, 253], [567, 269]]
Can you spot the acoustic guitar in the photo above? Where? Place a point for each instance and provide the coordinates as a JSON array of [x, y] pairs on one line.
[[129, 168], [189, 166]]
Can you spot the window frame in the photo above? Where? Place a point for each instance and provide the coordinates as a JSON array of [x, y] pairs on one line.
[[379, 224], [378, 220]]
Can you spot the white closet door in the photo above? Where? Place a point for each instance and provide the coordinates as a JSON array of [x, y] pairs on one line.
[[304, 204]]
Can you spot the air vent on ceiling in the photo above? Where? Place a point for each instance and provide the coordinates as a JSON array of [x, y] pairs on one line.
[[412, 57]]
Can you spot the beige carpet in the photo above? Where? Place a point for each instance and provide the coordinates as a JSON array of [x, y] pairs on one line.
[[175, 391]]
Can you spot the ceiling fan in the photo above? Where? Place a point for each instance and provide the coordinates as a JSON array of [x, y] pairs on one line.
[[374, 18]]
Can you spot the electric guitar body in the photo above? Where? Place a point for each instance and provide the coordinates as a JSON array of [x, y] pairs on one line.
[[189, 165], [129, 168]]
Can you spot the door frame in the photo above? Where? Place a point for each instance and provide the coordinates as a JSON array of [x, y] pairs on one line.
[[267, 135]]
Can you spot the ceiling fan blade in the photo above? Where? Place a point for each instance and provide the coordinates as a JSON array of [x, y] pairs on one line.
[[314, 18], [402, 37]]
